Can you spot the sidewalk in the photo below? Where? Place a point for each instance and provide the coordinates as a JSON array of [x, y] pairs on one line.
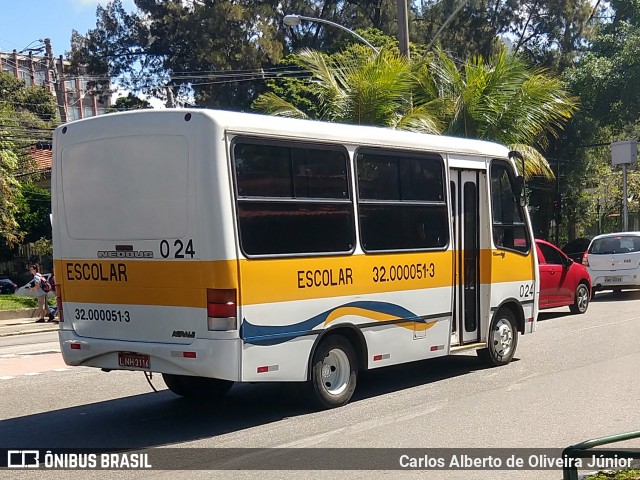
[[19, 322]]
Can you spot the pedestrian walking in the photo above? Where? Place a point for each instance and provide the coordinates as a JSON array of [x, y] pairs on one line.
[[41, 294]]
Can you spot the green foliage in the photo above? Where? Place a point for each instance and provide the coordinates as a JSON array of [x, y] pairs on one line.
[[549, 32], [15, 302], [130, 102], [633, 474], [500, 99], [34, 207], [8, 191], [605, 78], [356, 86], [28, 119], [43, 247], [151, 48]]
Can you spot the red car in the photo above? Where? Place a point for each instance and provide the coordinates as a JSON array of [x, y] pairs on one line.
[[562, 281]]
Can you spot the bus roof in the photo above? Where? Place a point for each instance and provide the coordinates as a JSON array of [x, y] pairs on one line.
[[274, 126]]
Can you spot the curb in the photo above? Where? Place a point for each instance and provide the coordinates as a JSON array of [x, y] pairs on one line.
[[16, 314], [25, 332]]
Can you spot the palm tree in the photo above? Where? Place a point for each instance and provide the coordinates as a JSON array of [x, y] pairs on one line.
[[359, 87], [502, 99]]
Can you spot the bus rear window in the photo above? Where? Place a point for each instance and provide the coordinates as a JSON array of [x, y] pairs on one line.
[[132, 188]]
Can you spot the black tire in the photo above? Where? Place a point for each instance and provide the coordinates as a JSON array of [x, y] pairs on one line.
[[581, 300], [197, 387], [502, 339], [334, 373]]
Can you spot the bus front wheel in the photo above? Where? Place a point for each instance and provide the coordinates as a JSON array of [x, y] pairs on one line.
[[502, 339], [334, 372], [197, 387]]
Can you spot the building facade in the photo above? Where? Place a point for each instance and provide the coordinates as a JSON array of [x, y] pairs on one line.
[[75, 95]]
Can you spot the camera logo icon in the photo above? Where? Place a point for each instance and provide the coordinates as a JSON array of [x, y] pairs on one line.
[[23, 459]]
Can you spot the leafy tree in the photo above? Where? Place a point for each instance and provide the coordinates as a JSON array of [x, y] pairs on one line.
[[34, 207], [8, 190], [606, 80], [28, 116], [549, 32], [205, 51], [606, 76], [130, 102]]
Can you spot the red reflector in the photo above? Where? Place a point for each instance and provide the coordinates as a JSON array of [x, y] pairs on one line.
[[377, 357], [189, 354], [75, 346], [434, 348], [263, 369], [221, 302], [221, 310], [530, 319]]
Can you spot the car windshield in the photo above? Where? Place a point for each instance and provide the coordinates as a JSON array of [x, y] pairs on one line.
[[611, 245]]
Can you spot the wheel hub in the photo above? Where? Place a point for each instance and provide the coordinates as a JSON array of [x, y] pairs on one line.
[[335, 371], [503, 338]]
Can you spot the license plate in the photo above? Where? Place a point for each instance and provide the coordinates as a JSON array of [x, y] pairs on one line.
[[612, 279], [135, 360]]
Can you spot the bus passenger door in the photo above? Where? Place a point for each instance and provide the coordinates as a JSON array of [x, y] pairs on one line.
[[466, 242]]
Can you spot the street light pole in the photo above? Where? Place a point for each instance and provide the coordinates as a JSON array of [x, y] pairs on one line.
[[294, 20]]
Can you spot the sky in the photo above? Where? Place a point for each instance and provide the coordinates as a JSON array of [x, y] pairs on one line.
[[25, 21]]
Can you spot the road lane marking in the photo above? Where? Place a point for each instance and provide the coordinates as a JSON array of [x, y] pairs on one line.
[[607, 324]]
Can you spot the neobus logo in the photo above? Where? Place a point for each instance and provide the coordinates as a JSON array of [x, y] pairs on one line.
[[125, 254]]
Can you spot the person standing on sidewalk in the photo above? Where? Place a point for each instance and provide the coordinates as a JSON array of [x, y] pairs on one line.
[[41, 294]]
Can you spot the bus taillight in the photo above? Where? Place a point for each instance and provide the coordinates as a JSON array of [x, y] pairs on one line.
[[221, 309]]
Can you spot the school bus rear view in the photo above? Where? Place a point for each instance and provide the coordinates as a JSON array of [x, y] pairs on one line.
[[217, 247]]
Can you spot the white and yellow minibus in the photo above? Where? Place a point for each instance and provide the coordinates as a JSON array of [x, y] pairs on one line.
[[218, 247]]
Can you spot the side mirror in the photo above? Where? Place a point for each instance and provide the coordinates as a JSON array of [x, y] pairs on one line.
[[521, 185]]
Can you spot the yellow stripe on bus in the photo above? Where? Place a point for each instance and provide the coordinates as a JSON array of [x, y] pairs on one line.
[[183, 283]]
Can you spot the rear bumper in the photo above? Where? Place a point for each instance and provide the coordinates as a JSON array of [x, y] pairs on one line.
[[213, 358], [611, 279], [601, 288]]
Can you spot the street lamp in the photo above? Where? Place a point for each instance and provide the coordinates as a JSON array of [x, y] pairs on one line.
[[294, 20]]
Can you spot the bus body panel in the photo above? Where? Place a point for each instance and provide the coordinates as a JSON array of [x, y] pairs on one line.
[[398, 326]]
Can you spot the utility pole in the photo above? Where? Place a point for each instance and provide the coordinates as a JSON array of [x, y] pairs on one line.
[[56, 83], [171, 103], [403, 27]]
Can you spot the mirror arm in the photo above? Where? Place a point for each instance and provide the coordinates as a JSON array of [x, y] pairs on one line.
[[514, 154]]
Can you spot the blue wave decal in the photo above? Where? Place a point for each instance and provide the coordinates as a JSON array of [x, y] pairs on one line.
[[276, 334]]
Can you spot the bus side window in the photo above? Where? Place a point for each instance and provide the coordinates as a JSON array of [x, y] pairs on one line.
[[509, 228]]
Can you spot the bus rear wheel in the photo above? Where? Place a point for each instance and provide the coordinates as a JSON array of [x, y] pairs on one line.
[[502, 340], [334, 372], [197, 387]]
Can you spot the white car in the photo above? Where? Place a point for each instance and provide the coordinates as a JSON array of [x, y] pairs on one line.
[[613, 261]]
